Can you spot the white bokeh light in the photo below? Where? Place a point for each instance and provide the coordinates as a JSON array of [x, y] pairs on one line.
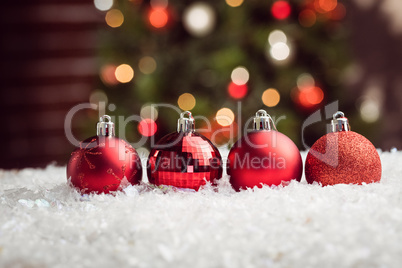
[[199, 19], [103, 5], [240, 76], [280, 51], [277, 36], [305, 81], [149, 111], [370, 111]]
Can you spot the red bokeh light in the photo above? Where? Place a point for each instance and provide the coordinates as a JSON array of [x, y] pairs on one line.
[[280, 10], [237, 91], [147, 127], [158, 17], [309, 97]]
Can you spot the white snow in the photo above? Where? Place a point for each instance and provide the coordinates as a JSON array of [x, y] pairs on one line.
[[45, 223]]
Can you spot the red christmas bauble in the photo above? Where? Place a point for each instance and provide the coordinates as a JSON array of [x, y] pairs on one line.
[[263, 157], [343, 157], [103, 164], [184, 160]]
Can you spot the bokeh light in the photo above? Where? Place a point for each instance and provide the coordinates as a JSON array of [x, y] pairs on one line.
[[270, 97], [114, 18], [280, 10], [240, 75], [277, 36], [225, 117], [339, 12], [370, 111], [305, 81], [280, 51], [234, 3], [98, 96], [159, 3], [307, 18], [147, 127], [124, 73], [237, 91], [199, 19], [108, 76], [103, 5], [309, 97], [147, 65], [186, 101], [158, 17], [149, 111], [326, 5]]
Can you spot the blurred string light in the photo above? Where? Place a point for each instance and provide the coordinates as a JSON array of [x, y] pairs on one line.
[[307, 94], [108, 76], [98, 96], [149, 111], [278, 48], [159, 3], [158, 17], [147, 65], [147, 127], [323, 6], [124, 73], [280, 10], [240, 75], [307, 18], [280, 51], [199, 19], [237, 91], [103, 5], [114, 18], [270, 97], [277, 36], [234, 3], [305, 81], [186, 101], [370, 110], [225, 117]]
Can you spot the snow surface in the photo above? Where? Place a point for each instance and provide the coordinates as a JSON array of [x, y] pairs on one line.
[[45, 223]]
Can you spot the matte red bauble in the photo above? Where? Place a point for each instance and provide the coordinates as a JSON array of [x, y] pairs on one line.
[[263, 157], [342, 156], [184, 159], [104, 163]]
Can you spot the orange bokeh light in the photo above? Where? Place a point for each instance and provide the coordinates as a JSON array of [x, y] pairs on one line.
[[237, 91], [147, 127], [158, 17], [324, 6]]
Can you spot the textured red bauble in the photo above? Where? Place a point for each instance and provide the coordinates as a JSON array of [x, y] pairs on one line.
[[263, 157], [342, 156], [104, 164], [184, 159]]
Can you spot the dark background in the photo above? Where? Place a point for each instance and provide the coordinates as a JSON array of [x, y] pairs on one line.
[[52, 54]]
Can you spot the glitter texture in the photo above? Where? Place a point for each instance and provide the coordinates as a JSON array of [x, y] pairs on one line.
[[343, 157]]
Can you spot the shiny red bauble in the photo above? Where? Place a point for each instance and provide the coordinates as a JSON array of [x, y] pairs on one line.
[[263, 157], [184, 160], [343, 157], [104, 164]]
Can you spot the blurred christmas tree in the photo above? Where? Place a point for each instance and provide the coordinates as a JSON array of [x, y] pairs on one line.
[[283, 56]]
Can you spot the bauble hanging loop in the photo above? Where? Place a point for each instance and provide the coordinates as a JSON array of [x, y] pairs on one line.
[[104, 163], [342, 156], [184, 159], [263, 156]]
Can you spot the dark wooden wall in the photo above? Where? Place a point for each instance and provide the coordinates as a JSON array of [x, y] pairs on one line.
[[48, 56]]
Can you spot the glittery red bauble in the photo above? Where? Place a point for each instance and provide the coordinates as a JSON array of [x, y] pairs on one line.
[[103, 164], [263, 157], [184, 160], [343, 157]]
